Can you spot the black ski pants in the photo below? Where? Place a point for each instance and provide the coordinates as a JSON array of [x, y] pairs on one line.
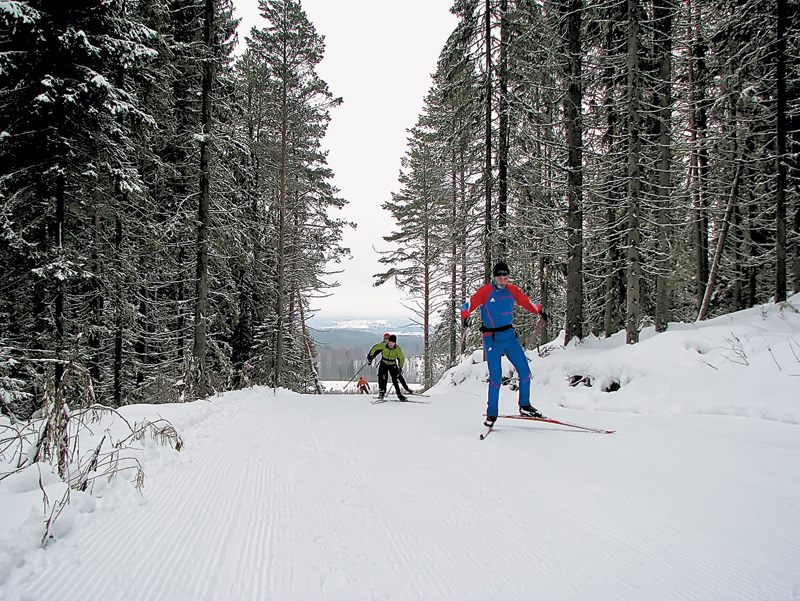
[[384, 370]]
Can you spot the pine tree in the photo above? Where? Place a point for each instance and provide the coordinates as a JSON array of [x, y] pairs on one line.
[[281, 68], [68, 166], [419, 210]]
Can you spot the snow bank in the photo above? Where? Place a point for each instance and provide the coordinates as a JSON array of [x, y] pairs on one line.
[[744, 364]]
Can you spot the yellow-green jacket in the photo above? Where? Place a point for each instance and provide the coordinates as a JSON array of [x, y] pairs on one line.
[[375, 351], [388, 356]]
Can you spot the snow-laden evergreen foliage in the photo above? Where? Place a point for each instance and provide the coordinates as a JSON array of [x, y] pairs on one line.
[[665, 197], [118, 119]]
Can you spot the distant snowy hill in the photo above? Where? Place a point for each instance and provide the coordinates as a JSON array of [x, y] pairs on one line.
[[346, 338], [367, 325], [399, 326]]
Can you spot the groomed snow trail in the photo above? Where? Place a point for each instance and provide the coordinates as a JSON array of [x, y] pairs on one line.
[[289, 497]]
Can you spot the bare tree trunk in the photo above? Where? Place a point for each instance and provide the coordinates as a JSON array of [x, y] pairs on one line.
[[203, 213], [698, 159], [118, 332], [463, 247], [426, 315], [572, 108], [751, 283], [97, 303], [613, 276], [314, 374], [721, 242], [487, 175], [502, 144], [277, 375], [59, 307], [610, 320], [788, 12], [663, 23], [454, 265], [796, 261], [780, 154], [544, 284], [633, 307]]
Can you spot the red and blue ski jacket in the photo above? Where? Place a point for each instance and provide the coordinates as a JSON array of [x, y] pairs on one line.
[[497, 306]]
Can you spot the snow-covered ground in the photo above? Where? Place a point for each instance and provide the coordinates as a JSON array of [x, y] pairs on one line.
[[278, 496], [349, 387]]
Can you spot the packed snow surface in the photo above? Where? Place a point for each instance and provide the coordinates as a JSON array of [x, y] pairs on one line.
[[280, 496]]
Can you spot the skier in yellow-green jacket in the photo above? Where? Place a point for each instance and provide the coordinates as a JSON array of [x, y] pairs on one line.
[[391, 362]]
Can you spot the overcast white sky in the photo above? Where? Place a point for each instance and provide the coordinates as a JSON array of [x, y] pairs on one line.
[[379, 58]]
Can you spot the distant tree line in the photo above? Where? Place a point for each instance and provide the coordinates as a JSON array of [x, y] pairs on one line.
[[634, 161], [164, 205]]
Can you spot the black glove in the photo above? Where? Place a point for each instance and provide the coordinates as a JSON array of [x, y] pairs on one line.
[[369, 359], [544, 314], [467, 321]]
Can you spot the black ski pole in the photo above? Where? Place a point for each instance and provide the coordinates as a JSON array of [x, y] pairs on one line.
[[354, 376]]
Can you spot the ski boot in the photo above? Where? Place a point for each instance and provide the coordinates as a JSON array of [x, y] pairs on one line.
[[530, 411]]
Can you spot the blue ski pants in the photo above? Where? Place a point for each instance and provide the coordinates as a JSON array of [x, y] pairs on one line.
[[497, 345]]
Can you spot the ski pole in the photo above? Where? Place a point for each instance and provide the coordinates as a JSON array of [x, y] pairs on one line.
[[535, 332], [460, 346], [354, 377]]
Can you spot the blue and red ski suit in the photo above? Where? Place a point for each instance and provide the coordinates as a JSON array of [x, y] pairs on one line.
[[499, 337]]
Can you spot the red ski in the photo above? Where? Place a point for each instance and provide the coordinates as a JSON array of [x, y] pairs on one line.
[[559, 423]]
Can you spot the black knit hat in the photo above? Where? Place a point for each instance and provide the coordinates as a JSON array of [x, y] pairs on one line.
[[392, 338], [500, 269]]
